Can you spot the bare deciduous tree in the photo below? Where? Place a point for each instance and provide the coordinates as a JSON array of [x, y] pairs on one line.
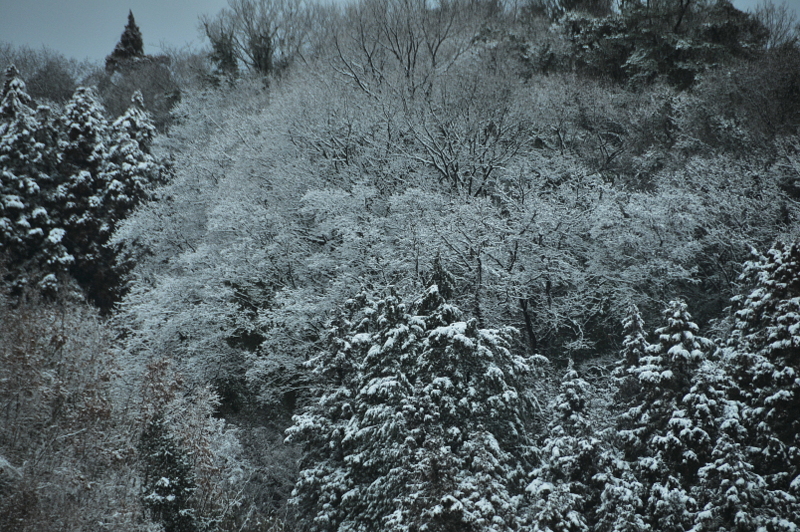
[[264, 35]]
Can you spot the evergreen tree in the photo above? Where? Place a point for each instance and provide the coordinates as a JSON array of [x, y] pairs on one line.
[[564, 487], [14, 94], [30, 235], [622, 498], [168, 482], [663, 376], [106, 170], [65, 184], [424, 432], [765, 359], [19, 153], [323, 478], [657, 433], [731, 493], [223, 52], [129, 48], [133, 167], [674, 40], [79, 198], [468, 441], [634, 347]]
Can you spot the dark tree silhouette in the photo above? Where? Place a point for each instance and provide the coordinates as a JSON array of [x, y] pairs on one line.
[[129, 48]]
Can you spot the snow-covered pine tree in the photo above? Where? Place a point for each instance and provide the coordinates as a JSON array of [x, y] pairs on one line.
[[65, 183], [374, 439], [634, 347], [564, 490], [134, 169], [29, 237], [336, 371], [469, 446], [656, 434], [83, 166], [19, 152], [621, 505], [425, 432], [663, 375], [86, 138], [764, 356], [730, 493], [17, 125], [79, 198]]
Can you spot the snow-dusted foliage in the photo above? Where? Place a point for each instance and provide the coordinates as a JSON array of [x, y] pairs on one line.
[[664, 375], [66, 182], [168, 482], [634, 347], [659, 432], [634, 344], [28, 230], [68, 435], [765, 360], [396, 145], [133, 169], [421, 425], [731, 492], [691, 454], [565, 488]]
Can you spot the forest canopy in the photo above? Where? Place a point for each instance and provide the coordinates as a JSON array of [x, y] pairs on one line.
[[411, 266]]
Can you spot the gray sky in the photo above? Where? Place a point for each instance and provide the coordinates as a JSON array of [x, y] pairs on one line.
[[91, 28]]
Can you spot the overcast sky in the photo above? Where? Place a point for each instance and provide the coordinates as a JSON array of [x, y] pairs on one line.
[[91, 28]]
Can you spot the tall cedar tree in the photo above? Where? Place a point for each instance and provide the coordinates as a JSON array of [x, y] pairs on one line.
[[23, 227], [731, 493], [129, 48]]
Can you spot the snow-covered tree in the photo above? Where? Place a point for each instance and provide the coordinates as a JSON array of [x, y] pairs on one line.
[[634, 347], [68, 424], [80, 197], [18, 123], [168, 480], [765, 361], [422, 429], [134, 169], [564, 489], [664, 375], [622, 499], [19, 152], [30, 231], [66, 182], [731, 493], [658, 433]]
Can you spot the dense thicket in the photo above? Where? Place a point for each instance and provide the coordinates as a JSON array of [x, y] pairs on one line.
[[429, 241]]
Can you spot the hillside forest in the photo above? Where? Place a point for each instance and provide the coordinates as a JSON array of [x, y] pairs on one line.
[[409, 266]]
